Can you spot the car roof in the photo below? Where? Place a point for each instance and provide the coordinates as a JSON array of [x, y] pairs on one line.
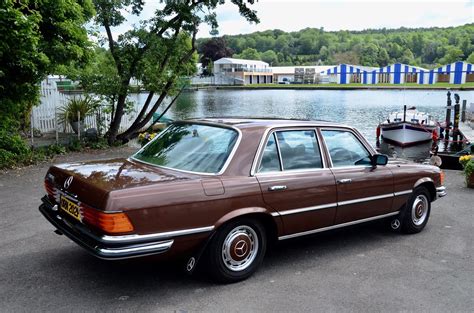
[[246, 122]]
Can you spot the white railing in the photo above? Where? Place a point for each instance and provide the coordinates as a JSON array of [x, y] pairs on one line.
[[44, 117]]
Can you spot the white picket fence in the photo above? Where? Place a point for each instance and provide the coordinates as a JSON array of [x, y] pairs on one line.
[[44, 117]]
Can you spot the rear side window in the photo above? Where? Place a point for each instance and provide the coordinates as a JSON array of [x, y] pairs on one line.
[[270, 161], [298, 149], [345, 149]]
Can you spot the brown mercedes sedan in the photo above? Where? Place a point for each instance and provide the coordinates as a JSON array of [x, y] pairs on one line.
[[218, 191]]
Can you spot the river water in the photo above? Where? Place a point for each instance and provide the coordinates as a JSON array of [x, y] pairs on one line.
[[363, 109]]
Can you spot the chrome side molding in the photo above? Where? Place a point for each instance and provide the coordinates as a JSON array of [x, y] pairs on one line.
[[319, 230]]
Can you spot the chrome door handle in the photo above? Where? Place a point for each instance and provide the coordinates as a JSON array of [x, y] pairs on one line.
[[344, 181], [275, 188]]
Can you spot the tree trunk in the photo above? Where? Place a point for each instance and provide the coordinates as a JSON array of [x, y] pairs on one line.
[[137, 125], [117, 117]]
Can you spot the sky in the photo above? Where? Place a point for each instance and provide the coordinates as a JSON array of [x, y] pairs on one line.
[[333, 15]]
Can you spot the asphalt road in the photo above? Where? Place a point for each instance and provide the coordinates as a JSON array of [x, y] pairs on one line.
[[362, 268]]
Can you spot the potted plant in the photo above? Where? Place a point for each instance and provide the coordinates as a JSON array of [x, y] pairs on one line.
[[76, 110], [467, 162]]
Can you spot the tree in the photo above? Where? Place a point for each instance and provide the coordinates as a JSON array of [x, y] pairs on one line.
[[270, 57], [214, 49], [249, 54], [36, 37], [470, 58], [407, 57], [346, 58], [158, 51], [452, 54]]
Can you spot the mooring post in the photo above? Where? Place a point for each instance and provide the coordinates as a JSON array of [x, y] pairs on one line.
[[448, 117], [463, 110], [456, 118], [404, 113]]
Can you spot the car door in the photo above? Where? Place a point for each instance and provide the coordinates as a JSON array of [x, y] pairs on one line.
[[363, 191], [295, 182]]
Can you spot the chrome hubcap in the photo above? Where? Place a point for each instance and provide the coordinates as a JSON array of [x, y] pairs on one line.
[[395, 224], [240, 248], [419, 210]]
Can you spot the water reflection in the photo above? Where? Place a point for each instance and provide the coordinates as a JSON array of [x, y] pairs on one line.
[[364, 109]]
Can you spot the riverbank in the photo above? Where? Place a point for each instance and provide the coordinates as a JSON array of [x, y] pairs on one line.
[[441, 86]]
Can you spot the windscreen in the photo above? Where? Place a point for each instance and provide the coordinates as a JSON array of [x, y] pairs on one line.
[[190, 147]]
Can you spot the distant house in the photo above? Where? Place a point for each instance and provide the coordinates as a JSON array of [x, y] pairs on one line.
[[245, 72]]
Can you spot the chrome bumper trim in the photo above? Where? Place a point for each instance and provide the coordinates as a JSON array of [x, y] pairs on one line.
[[155, 236], [141, 249], [441, 192], [82, 236]]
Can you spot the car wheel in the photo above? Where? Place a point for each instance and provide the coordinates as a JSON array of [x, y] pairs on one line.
[[417, 211], [237, 250]]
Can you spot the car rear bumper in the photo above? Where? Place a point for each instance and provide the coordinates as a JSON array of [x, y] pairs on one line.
[[103, 249], [441, 192]]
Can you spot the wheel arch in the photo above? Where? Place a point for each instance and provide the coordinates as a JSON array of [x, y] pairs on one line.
[[429, 184], [271, 224]]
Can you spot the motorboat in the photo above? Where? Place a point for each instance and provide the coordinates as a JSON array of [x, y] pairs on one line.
[[408, 127]]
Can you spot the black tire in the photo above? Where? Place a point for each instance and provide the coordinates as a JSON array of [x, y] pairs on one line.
[[417, 211], [237, 250]]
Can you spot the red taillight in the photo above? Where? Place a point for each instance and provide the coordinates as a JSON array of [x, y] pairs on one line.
[[441, 178], [111, 223], [49, 188]]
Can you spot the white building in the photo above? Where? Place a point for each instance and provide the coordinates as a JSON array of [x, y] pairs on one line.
[[244, 72]]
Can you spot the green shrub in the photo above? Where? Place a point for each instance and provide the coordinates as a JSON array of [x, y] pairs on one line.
[[12, 142], [75, 106], [7, 158]]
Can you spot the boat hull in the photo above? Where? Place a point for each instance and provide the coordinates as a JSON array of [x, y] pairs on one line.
[[405, 134]]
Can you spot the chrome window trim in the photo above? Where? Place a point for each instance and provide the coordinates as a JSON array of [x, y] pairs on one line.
[[296, 171], [259, 154], [157, 236], [319, 230], [224, 167], [361, 139], [277, 144]]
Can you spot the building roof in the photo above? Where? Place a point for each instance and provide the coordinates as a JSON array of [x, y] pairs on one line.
[[240, 61], [291, 69]]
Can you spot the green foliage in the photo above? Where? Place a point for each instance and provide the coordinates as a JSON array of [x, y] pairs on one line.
[[470, 58], [269, 56], [428, 47], [249, 54], [213, 50], [36, 38], [157, 51]]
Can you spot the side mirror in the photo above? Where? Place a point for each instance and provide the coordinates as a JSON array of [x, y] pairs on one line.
[[379, 159]]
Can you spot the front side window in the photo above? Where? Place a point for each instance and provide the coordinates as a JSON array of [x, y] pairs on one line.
[[190, 147], [298, 149], [345, 149]]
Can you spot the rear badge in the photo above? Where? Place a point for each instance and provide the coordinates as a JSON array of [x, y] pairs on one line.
[[68, 182]]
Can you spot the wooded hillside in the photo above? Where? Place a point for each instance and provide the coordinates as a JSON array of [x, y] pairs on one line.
[[427, 47]]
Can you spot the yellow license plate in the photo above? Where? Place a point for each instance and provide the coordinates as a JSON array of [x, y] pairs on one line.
[[70, 208]]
